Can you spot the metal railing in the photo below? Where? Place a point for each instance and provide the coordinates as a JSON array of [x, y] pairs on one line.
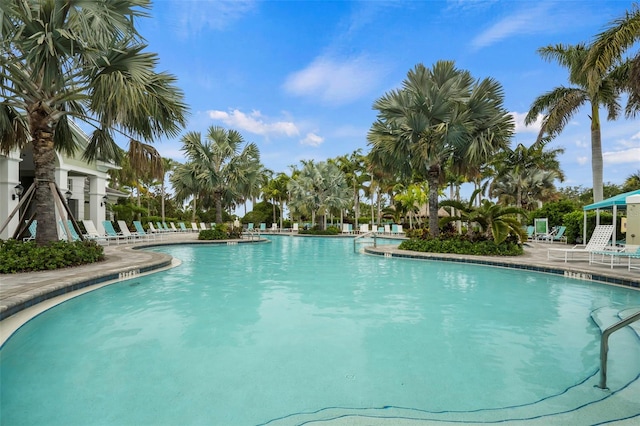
[[251, 234], [367, 234], [604, 345]]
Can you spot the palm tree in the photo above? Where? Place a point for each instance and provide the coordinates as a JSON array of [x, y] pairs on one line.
[[276, 190], [438, 115], [514, 168], [185, 184], [412, 199], [560, 104], [225, 165], [146, 163], [632, 182], [495, 220], [608, 49], [317, 189], [84, 61]]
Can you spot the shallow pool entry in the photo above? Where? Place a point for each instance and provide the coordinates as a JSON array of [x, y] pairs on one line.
[[304, 330]]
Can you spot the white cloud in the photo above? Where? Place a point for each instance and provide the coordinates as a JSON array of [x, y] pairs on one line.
[[631, 156], [583, 160], [335, 82], [528, 21], [518, 118], [254, 123], [195, 16], [312, 140], [636, 136]]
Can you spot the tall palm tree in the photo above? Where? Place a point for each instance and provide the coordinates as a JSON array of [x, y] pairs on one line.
[[439, 114], [560, 104], [186, 185], [146, 163], [608, 49], [84, 61], [225, 164]]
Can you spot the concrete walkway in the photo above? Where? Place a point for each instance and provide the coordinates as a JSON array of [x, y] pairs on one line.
[[20, 291]]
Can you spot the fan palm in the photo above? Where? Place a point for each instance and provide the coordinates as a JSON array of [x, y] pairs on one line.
[[440, 114], [84, 61], [225, 165]]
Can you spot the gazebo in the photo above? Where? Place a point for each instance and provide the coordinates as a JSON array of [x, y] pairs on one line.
[[614, 203]]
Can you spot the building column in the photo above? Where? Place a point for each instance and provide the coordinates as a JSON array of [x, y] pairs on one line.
[[9, 178], [62, 179], [97, 206], [76, 186]]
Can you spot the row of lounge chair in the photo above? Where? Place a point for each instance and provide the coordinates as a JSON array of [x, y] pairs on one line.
[[69, 232], [599, 251]]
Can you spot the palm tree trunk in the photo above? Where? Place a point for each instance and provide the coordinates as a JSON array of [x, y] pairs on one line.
[[218, 207], [596, 153], [44, 159], [433, 175], [162, 200], [193, 213]]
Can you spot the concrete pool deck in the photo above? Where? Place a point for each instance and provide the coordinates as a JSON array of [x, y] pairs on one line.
[[23, 290]]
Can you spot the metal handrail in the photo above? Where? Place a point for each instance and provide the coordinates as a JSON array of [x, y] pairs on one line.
[[604, 345], [370, 233], [252, 233]]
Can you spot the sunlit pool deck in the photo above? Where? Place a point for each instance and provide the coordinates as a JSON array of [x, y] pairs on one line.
[[23, 296]]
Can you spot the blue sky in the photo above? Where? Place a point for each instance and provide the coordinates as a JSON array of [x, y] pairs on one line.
[[299, 78]]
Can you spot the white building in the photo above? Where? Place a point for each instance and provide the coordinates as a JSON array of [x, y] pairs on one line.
[[85, 185]]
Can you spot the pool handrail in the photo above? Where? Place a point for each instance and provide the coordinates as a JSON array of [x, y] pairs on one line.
[[604, 345], [372, 234]]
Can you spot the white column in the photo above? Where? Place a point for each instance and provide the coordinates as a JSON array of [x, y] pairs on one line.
[[97, 207], [77, 191], [9, 178]]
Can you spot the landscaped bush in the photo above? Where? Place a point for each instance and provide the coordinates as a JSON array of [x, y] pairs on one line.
[[18, 256], [331, 230], [221, 232], [462, 244]]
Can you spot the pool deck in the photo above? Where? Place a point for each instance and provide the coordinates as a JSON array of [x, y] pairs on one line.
[[21, 291]]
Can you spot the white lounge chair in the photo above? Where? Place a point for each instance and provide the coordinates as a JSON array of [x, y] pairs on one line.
[[173, 227], [615, 257], [387, 229], [364, 228], [346, 229], [296, 227], [194, 227], [93, 234], [274, 227], [598, 241], [124, 230], [203, 227]]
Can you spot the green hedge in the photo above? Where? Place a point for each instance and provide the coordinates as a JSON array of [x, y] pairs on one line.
[[331, 230], [17, 256], [462, 245]]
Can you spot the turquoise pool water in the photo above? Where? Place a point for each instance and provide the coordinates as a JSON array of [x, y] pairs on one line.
[[267, 333]]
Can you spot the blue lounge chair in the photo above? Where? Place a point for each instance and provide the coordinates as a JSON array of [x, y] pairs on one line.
[[182, 226], [33, 228], [111, 232], [140, 230]]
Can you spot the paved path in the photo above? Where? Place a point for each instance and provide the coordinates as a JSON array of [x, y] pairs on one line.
[[20, 291]]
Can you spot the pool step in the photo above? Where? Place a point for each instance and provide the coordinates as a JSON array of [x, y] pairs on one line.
[[582, 404]]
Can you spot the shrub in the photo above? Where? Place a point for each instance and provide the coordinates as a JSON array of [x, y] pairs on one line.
[[574, 222], [220, 232], [554, 211], [331, 230], [462, 244], [17, 256]]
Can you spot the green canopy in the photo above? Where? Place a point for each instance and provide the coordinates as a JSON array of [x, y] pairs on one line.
[[619, 201]]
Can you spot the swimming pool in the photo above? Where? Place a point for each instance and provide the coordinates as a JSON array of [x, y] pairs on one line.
[[304, 330]]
